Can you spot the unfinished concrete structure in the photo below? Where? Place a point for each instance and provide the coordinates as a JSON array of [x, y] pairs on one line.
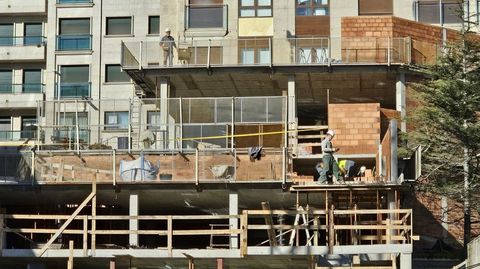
[[242, 76]]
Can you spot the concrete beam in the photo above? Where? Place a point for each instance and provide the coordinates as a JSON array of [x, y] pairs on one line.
[[401, 100], [133, 223], [338, 250], [233, 210]]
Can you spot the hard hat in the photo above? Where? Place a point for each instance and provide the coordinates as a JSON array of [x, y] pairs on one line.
[[167, 30], [331, 132]]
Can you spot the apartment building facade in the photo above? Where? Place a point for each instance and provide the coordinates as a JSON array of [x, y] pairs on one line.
[[84, 83]]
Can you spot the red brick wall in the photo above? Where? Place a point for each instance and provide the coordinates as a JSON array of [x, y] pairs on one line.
[[357, 127]]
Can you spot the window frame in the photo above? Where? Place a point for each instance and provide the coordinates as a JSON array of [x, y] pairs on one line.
[[116, 82], [312, 6], [149, 26], [255, 9], [119, 17], [151, 113], [117, 126]]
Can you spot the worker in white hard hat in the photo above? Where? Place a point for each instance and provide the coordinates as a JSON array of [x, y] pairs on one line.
[[330, 166], [167, 43]]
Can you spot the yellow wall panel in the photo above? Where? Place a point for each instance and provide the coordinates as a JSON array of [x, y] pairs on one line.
[[255, 27]]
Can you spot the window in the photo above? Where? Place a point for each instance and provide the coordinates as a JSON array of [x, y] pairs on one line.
[[153, 25], [74, 81], [74, 34], [114, 73], [255, 8], [5, 128], [29, 126], [429, 11], [6, 34], [69, 120], [375, 7], [6, 81], [312, 8], [32, 33], [32, 80], [153, 119], [205, 14], [116, 120], [119, 26], [254, 51]]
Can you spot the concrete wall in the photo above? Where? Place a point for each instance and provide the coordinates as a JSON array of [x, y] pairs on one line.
[[473, 252]]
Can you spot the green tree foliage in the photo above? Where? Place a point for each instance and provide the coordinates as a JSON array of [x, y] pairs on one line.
[[447, 121]]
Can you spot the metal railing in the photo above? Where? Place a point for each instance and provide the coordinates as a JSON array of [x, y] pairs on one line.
[[17, 135], [10, 41], [265, 52], [73, 90], [74, 1], [22, 88], [74, 42]]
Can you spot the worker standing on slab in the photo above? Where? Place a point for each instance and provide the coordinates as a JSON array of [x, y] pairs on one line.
[[330, 166], [168, 43]]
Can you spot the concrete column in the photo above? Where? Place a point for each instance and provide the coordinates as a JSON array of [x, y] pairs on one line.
[[401, 100], [393, 152], [405, 261], [292, 111], [133, 224], [444, 209], [233, 210], [164, 86], [112, 264]]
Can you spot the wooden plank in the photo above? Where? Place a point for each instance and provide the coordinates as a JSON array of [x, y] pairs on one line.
[[70, 255], [85, 236], [331, 229], [286, 227], [285, 212], [207, 232], [372, 211], [40, 231], [244, 234], [269, 222], [169, 235], [94, 214], [372, 227], [315, 127], [67, 222]]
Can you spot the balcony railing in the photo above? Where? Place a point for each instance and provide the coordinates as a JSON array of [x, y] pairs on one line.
[[17, 135], [74, 1], [21, 88], [10, 41], [74, 42], [206, 16], [73, 90], [266, 52]]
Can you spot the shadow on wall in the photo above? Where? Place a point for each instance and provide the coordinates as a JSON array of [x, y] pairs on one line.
[[436, 240]]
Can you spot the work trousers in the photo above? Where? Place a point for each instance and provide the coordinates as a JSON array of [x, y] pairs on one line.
[[330, 166]]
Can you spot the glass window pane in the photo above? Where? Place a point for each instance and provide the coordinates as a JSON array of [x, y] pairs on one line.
[[264, 2], [6, 34], [119, 26], [320, 12], [114, 73], [321, 2], [5, 77], [264, 55], [33, 33], [264, 12], [78, 73], [303, 11], [117, 120], [32, 76], [248, 56], [153, 119], [154, 25], [5, 123], [247, 13], [247, 3], [75, 26]]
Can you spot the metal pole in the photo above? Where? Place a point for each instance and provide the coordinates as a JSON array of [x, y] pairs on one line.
[[130, 126], [77, 136], [114, 166], [197, 182], [141, 55], [208, 52], [232, 142], [181, 125]]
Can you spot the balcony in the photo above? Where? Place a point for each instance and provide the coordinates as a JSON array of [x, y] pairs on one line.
[[21, 95], [22, 7], [74, 42], [74, 90], [267, 52], [22, 48]]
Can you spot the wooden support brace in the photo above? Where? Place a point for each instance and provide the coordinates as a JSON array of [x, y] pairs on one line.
[[269, 221], [70, 255], [67, 222]]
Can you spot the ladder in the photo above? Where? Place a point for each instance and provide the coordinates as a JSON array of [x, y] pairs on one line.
[[135, 120]]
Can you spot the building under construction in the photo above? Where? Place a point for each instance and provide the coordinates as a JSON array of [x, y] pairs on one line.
[[206, 157]]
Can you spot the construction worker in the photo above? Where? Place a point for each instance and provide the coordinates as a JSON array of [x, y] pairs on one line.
[[330, 166], [346, 167], [167, 43]]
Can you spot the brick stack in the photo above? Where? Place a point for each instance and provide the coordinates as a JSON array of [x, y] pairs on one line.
[[357, 127]]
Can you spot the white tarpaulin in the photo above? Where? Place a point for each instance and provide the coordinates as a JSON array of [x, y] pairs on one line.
[[139, 169]]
